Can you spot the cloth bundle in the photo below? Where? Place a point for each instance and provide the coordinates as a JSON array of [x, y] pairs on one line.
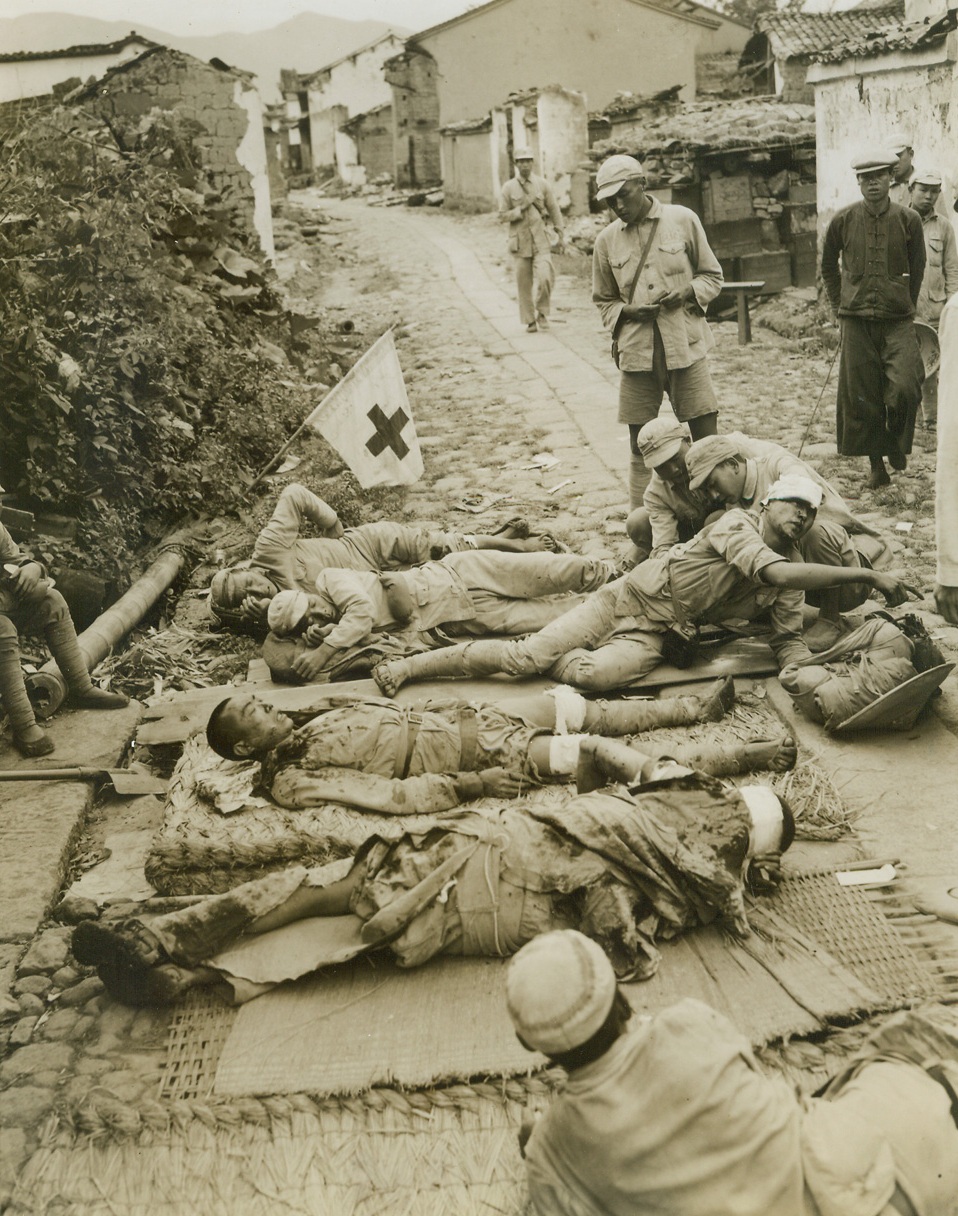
[[871, 661]]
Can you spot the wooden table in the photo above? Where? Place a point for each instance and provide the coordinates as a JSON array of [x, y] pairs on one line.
[[742, 292]]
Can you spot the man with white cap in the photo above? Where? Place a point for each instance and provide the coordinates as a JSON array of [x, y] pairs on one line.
[[672, 1114], [873, 260], [528, 205], [630, 864], [742, 566], [941, 273], [670, 511], [465, 593], [653, 276], [899, 142]]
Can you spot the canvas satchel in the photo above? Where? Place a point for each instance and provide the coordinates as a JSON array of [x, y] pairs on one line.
[[635, 280]]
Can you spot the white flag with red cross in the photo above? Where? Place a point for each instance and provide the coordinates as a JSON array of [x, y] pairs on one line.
[[367, 419]]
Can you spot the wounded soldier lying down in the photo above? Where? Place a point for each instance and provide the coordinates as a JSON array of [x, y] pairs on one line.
[[628, 865], [380, 756]]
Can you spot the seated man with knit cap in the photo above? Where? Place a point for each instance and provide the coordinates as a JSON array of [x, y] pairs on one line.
[[743, 565], [671, 512], [465, 593], [631, 865], [671, 1113], [30, 604]]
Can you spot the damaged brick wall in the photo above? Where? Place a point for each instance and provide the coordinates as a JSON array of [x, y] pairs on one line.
[[197, 92], [412, 76]]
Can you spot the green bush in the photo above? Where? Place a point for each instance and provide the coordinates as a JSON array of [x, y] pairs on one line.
[[131, 313]]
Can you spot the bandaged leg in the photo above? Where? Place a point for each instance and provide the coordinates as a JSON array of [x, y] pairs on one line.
[[608, 760], [27, 736], [61, 637], [630, 717]]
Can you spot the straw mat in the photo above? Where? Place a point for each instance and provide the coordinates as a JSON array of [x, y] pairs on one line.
[[427, 1152], [821, 954], [199, 850]]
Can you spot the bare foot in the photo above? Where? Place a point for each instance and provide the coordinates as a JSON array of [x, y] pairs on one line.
[[390, 675], [718, 700], [774, 755]]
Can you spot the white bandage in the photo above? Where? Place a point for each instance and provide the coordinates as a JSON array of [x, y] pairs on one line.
[[765, 811], [564, 754], [570, 709]]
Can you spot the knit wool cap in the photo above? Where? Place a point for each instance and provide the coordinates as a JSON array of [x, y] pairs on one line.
[[705, 454], [286, 610], [793, 488], [559, 990], [873, 160], [660, 439], [613, 172]]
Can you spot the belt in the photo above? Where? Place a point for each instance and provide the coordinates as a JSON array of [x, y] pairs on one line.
[[411, 723], [468, 739]]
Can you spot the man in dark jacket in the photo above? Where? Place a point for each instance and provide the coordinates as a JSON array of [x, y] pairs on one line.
[[881, 250]]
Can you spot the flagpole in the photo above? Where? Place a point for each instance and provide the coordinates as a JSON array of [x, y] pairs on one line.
[[312, 413]]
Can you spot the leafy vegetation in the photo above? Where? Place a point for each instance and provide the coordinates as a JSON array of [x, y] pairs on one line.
[[135, 382]]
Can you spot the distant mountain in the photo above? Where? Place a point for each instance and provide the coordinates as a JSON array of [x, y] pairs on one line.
[[306, 42]]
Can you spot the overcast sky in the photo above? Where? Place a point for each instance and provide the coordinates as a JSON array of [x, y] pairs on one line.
[[221, 16]]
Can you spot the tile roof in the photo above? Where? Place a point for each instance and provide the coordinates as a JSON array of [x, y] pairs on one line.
[[911, 36], [749, 122], [798, 35], [80, 52]]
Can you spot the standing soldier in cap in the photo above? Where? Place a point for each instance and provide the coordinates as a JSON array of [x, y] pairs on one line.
[[653, 275], [899, 142], [941, 273], [527, 202], [881, 252]]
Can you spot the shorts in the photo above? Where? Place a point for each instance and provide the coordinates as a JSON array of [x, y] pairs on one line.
[[689, 388]]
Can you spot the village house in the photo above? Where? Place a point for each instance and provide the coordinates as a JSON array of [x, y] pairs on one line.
[[905, 77], [477, 156], [297, 145], [745, 166], [778, 54], [596, 49], [415, 103], [352, 85], [372, 134], [224, 109], [38, 73]]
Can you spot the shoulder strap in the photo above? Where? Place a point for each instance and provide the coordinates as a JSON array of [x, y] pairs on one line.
[[645, 254]]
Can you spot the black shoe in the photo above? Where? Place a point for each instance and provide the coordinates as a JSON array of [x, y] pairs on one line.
[[898, 461], [31, 748]]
